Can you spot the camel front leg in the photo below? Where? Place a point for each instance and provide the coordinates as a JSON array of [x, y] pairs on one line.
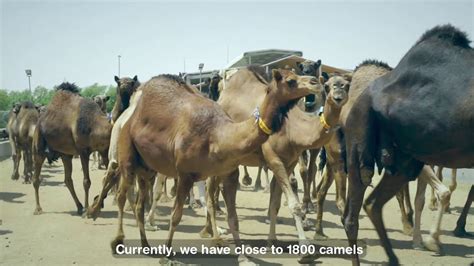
[[281, 174], [16, 165], [419, 204], [274, 207], [67, 162], [157, 193], [140, 209], [110, 179], [326, 183], [443, 195], [452, 187], [460, 229], [407, 226], [87, 180], [246, 180], [28, 164], [307, 206]]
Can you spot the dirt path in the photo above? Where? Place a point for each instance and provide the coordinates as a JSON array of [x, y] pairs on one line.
[[59, 236]]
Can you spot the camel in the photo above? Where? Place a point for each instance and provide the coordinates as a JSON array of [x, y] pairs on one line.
[[72, 125], [125, 88], [126, 98], [281, 151], [26, 121], [214, 86], [434, 201], [403, 132], [101, 101], [215, 145], [12, 131]]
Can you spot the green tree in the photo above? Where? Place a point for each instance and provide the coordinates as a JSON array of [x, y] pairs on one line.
[[4, 100], [42, 95]]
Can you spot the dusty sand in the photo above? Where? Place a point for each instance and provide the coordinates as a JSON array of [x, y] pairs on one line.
[[59, 236]]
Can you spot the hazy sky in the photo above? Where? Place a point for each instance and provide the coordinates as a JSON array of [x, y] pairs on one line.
[[79, 41]]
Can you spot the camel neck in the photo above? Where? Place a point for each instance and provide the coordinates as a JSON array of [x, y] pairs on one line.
[[331, 114]]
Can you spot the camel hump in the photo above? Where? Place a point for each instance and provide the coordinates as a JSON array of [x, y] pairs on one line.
[[374, 62], [88, 111], [447, 33], [66, 86]]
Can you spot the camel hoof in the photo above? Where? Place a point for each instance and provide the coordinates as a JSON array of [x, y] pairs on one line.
[[153, 228], [433, 206], [319, 235], [220, 212], [117, 241], [15, 177], [432, 245], [307, 224], [308, 259], [461, 232], [93, 212], [204, 233], [408, 230], [195, 205], [38, 211], [222, 231], [310, 208], [267, 189], [165, 199], [247, 180], [80, 210]]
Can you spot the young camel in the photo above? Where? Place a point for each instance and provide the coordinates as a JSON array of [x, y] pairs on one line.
[[72, 125], [12, 131], [199, 139], [281, 151], [27, 119]]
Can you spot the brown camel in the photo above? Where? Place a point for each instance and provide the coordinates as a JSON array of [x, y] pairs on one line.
[[12, 132], [72, 125], [364, 73], [178, 132], [281, 151], [101, 101], [27, 119]]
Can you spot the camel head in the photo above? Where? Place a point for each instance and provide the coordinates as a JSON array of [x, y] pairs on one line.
[[16, 108], [101, 101], [337, 89], [309, 68], [289, 87], [125, 88]]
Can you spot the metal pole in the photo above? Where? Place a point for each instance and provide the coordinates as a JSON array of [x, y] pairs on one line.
[[29, 85], [119, 65], [200, 80]]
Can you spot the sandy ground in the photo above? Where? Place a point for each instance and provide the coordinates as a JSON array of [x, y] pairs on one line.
[[59, 236]]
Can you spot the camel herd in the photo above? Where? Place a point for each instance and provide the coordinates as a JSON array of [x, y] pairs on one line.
[[165, 128]]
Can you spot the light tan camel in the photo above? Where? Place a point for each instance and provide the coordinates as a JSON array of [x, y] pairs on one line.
[[72, 125], [192, 137], [12, 131], [281, 151], [439, 173], [27, 119]]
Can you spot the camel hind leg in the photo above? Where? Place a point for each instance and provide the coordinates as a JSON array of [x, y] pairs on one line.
[[87, 180], [160, 180], [407, 225], [140, 208], [16, 165], [184, 184], [460, 229], [38, 164], [67, 162], [326, 183], [383, 192]]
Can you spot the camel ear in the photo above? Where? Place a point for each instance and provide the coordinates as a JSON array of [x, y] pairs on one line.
[[117, 79], [348, 77], [135, 78], [299, 65], [107, 98], [277, 75], [317, 63]]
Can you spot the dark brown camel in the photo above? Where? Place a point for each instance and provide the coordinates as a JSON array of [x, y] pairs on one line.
[[403, 131], [12, 132], [125, 88], [72, 125], [199, 139]]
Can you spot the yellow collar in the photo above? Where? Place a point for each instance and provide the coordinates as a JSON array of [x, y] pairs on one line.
[[264, 127], [324, 122]]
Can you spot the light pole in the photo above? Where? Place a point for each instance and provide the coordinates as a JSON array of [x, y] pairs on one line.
[[201, 66], [28, 74], [119, 56]]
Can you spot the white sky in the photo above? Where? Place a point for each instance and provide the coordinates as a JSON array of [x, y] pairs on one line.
[[79, 41]]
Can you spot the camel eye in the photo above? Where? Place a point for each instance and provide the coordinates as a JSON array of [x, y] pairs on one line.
[[291, 82]]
